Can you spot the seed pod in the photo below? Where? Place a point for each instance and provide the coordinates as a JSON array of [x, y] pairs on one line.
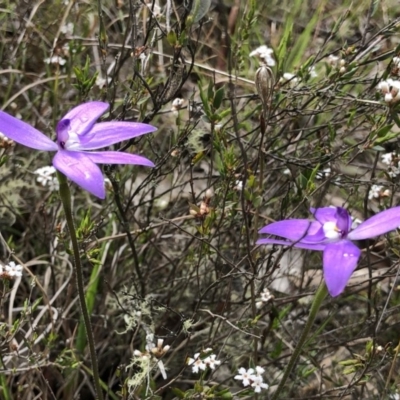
[[265, 82]]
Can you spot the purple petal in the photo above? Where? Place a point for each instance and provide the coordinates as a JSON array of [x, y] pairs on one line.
[[81, 118], [295, 230], [299, 245], [23, 133], [324, 214], [339, 261], [108, 133], [343, 220], [81, 170], [117, 157], [379, 224]]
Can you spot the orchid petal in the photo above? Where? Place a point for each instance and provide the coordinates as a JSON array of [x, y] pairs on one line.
[[324, 214], [339, 262], [299, 245], [108, 133], [379, 224], [81, 118], [23, 133], [295, 230], [117, 157], [343, 220], [81, 170]]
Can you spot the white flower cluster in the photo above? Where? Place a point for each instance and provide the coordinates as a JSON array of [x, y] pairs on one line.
[[67, 29], [337, 62], [101, 82], [294, 80], [57, 60], [176, 105], [291, 78], [390, 89], [392, 161], [199, 362], [238, 186], [252, 377], [266, 297], [323, 174], [396, 62], [45, 176], [378, 192], [11, 270], [264, 54]]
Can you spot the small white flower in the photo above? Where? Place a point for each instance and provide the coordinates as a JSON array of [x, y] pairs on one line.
[[383, 87], [101, 82], [258, 384], [333, 60], [291, 78], [176, 106], [312, 71], [387, 158], [55, 60], [374, 192], [324, 173], [157, 350], [388, 98], [68, 29], [287, 76], [264, 53], [390, 89], [396, 61], [259, 370], [211, 361], [177, 103], [266, 296], [12, 269], [238, 186], [393, 171], [196, 363], [45, 178], [246, 376]]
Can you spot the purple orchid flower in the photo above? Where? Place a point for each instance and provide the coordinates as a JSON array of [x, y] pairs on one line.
[[331, 233], [77, 133]]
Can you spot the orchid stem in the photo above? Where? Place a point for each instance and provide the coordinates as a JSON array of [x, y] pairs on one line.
[[65, 196], [318, 299]]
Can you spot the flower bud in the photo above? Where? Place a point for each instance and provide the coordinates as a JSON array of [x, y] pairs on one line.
[[265, 83]]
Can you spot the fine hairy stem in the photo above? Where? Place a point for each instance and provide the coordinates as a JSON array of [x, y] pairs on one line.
[[318, 299], [65, 195]]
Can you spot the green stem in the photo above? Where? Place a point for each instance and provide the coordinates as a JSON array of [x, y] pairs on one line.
[[318, 299], [65, 196]]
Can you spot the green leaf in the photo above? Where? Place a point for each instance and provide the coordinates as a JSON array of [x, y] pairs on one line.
[[277, 350], [178, 392], [304, 40], [218, 97], [204, 100], [171, 38], [383, 131], [395, 117], [389, 136]]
